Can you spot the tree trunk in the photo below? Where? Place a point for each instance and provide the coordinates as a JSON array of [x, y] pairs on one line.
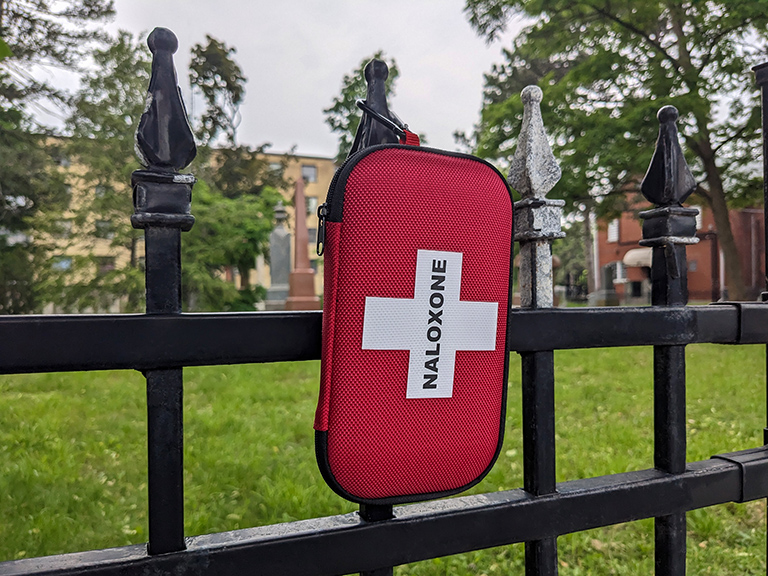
[[134, 262], [716, 200], [245, 276], [588, 253], [132, 304], [702, 146]]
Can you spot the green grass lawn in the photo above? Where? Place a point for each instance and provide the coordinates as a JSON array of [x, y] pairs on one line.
[[73, 462]]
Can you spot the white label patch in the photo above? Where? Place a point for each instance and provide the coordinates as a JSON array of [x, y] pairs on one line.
[[432, 326]]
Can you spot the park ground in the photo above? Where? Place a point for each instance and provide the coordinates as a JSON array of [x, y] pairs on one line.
[[73, 462]]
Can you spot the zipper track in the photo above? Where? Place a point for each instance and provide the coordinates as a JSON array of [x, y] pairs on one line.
[[330, 211]]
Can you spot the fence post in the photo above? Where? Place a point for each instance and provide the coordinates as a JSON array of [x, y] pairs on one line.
[[668, 228], [761, 76], [371, 133], [162, 199], [533, 173]]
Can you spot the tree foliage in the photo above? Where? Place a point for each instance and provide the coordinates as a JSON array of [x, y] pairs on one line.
[[48, 33], [343, 116], [51, 32], [237, 192], [215, 74], [29, 180], [103, 248], [606, 67], [228, 232]]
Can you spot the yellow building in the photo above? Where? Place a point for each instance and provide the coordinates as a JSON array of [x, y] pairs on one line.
[[77, 237], [317, 172], [79, 234]]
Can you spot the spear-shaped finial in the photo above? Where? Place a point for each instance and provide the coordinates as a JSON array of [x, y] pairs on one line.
[[534, 170], [164, 139], [371, 131], [668, 181]]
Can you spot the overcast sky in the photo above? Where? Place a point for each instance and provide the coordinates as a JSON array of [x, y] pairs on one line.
[[295, 53]]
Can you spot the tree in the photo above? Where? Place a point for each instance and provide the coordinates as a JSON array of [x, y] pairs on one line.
[[215, 74], [606, 67], [343, 116], [29, 179], [104, 255], [572, 272], [238, 190], [227, 232], [47, 33], [51, 32]]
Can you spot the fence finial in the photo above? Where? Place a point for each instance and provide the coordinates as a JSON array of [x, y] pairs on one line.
[[164, 139], [669, 227], [534, 170], [370, 131], [668, 181]]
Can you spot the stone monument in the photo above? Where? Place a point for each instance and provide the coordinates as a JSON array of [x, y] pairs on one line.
[[279, 261], [301, 293]]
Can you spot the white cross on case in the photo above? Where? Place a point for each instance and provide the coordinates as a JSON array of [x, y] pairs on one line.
[[432, 326]]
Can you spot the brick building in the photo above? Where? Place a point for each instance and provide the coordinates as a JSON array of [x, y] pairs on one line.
[[621, 259]]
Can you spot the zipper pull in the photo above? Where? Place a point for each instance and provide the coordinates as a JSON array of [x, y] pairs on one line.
[[322, 213]]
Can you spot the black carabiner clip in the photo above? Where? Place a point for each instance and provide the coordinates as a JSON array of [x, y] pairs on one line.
[[399, 130]]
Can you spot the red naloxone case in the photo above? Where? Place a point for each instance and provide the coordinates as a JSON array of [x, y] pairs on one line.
[[417, 246]]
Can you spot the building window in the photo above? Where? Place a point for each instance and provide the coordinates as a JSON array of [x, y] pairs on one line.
[[693, 265], [62, 263], [309, 172], [613, 230], [311, 205], [104, 264], [276, 168], [621, 273], [62, 229], [104, 229], [312, 235]]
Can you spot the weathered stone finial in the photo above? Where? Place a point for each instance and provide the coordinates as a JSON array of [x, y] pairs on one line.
[[164, 140], [534, 170], [668, 181]]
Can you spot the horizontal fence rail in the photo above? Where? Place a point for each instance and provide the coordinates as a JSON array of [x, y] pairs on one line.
[[345, 543], [144, 342]]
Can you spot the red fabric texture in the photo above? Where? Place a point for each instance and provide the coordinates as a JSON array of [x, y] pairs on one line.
[[398, 201], [330, 271]]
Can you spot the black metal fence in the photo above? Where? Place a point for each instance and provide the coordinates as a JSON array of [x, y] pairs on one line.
[[164, 340]]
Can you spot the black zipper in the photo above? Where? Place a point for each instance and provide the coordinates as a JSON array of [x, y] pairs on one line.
[[328, 208], [323, 209], [322, 212]]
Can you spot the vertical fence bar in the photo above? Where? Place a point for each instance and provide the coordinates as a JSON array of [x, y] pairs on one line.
[[533, 173], [668, 229], [761, 76], [371, 133], [162, 200]]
